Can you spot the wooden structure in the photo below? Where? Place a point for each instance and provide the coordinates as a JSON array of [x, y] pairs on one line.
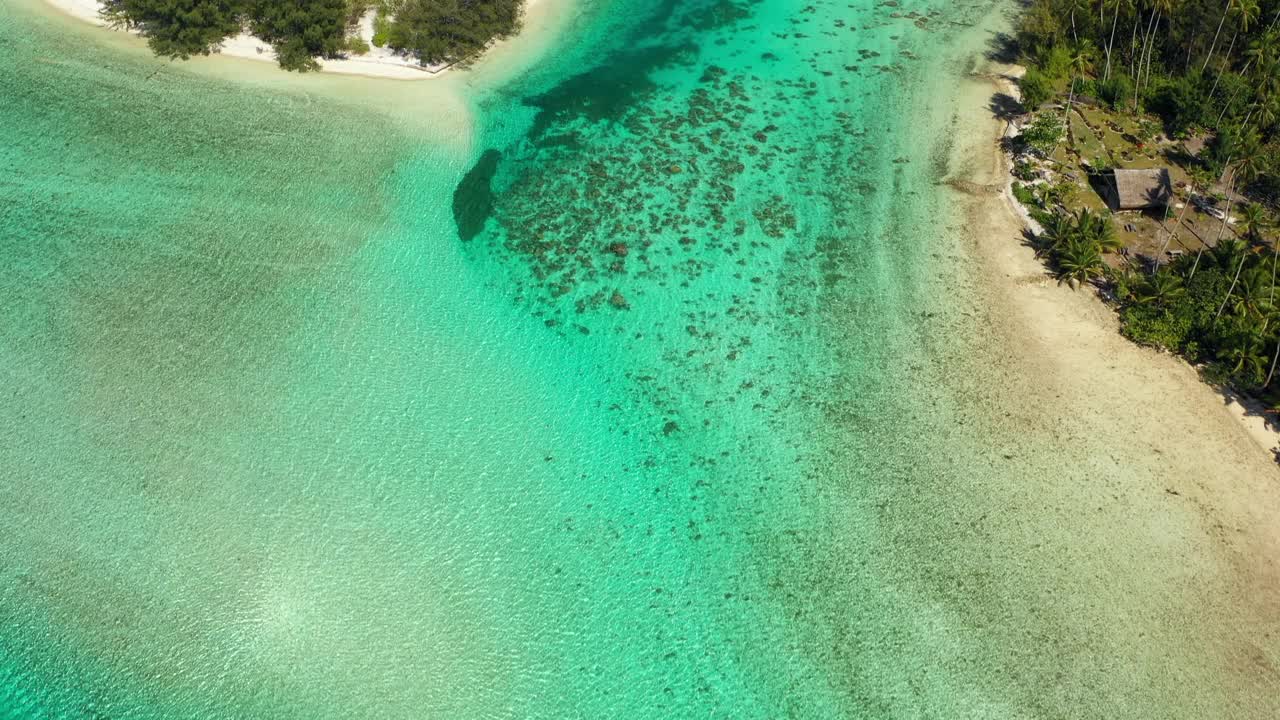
[[1139, 189]]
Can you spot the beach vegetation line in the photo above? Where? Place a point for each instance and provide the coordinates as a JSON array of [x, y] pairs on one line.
[[1149, 158], [434, 32]]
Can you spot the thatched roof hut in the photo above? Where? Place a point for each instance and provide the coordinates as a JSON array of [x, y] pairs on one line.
[[1140, 189]]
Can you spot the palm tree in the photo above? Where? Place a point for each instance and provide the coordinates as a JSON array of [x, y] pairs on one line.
[[1106, 238], [1252, 162], [1059, 229], [1244, 350], [1080, 63], [1082, 57], [1079, 262], [1271, 300], [1266, 64], [1275, 255], [1228, 251], [1223, 19], [1133, 39], [1244, 144], [1158, 8], [1253, 221], [1072, 6], [1271, 373], [1124, 283], [1262, 49], [1118, 5], [1243, 8], [1244, 257], [1162, 287], [1266, 111], [1251, 299], [1096, 229], [1248, 11]]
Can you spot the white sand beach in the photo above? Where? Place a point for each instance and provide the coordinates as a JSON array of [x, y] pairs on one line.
[[377, 63]]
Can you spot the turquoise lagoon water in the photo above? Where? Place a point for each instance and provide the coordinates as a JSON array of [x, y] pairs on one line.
[[591, 412]]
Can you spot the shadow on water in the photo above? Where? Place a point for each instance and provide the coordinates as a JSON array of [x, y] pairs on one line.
[[473, 198], [604, 93]]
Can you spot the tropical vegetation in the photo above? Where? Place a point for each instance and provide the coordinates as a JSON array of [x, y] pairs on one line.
[[451, 31], [301, 31], [1202, 68]]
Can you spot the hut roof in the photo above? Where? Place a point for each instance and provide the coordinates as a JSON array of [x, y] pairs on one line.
[[1138, 189]]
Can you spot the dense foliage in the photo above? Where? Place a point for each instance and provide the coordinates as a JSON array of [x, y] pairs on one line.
[[1207, 68], [434, 31], [1202, 66], [450, 31], [178, 28], [300, 30], [1218, 307], [1075, 244]]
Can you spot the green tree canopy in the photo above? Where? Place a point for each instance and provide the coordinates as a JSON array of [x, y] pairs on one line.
[[301, 30], [451, 31], [178, 28]]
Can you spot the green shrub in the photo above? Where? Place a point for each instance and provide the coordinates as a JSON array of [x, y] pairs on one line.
[[357, 45], [1043, 133], [1156, 326], [381, 29], [1115, 92], [1182, 102], [1057, 63], [1084, 86], [1036, 89], [1025, 195]]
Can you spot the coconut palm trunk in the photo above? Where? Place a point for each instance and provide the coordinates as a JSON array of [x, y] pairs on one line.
[[1133, 41], [1272, 298], [1148, 45], [1231, 191], [1275, 255], [1176, 227], [1234, 95], [1111, 43], [1218, 78], [1243, 257], [1214, 45], [1136, 73], [1272, 371]]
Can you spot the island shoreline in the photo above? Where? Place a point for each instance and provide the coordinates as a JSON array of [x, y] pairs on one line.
[[1241, 410], [1113, 492], [383, 66]]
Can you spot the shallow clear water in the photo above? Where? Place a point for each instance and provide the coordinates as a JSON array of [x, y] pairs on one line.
[[591, 413]]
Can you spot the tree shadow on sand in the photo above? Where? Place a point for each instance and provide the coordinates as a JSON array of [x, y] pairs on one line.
[[1006, 107], [1002, 48]]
